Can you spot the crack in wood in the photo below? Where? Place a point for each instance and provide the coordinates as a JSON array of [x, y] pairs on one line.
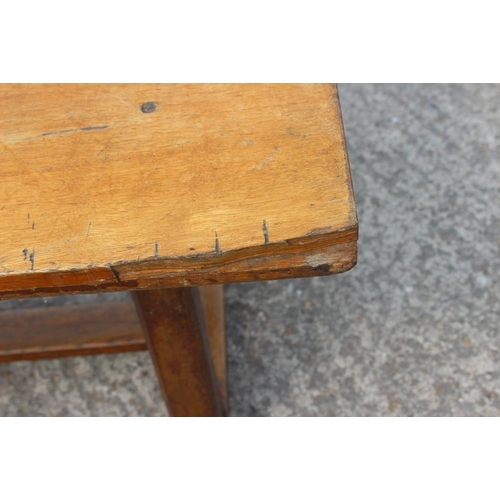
[[32, 259], [266, 232], [217, 245]]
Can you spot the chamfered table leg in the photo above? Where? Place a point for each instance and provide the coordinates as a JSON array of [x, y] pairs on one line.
[[174, 326]]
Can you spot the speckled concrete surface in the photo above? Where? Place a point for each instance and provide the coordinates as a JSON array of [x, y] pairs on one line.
[[412, 330]]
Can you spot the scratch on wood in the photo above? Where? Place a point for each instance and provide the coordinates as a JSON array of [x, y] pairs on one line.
[[25, 253], [28, 216], [103, 149], [217, 246], [58, 132], [83, 129], [32, 259], [88, 230], [156, 249], [102, 127], [266, 232]]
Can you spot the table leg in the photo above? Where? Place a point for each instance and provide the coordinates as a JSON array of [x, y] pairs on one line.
[[174, 326]]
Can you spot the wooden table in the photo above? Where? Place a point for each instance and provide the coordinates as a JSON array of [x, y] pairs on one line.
[[168, 191]]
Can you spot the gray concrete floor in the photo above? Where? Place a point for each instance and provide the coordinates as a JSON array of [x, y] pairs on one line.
[[413, 330]]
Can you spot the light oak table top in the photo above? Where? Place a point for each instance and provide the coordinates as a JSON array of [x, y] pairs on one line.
[[111, 187]]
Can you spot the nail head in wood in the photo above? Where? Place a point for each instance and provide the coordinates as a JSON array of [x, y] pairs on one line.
[[148, 107]]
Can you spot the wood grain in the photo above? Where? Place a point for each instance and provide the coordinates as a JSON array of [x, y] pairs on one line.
[[97, 194], [212, 300], [51, 332], [174, 326]]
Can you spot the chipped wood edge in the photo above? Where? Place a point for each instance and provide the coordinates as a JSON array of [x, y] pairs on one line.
[[307, 262]]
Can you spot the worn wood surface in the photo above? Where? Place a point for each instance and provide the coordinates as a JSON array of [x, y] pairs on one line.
[[102, 190], [174, 327], [50, 332], [212, 300]]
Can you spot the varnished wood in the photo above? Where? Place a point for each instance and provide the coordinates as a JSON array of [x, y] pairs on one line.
[[212, 300], [307, 263], [56, 331], [218, 183], [174, 327], [101, 328]]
